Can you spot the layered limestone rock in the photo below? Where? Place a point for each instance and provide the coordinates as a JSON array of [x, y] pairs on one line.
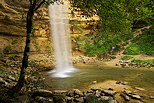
[[13, 30]]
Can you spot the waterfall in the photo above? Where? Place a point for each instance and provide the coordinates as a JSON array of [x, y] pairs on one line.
[[59, 22]]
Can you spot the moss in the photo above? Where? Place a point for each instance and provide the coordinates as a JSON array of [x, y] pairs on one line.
[[132, 49], [126, 57], [143, 61]]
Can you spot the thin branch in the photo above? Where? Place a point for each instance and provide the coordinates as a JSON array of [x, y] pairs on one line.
[[30, 2], [40, 5]]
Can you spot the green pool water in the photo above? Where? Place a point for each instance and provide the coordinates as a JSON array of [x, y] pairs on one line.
[[85, 74]]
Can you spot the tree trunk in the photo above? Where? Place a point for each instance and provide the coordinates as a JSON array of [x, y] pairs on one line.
[[29, 20]]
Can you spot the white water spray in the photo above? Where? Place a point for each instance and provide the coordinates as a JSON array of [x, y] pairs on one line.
[[60, 29]]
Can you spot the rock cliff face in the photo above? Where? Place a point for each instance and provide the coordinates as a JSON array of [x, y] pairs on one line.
[[13, 31]]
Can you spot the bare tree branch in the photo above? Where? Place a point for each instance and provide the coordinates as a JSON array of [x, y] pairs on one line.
[[40, 5], [30, 2]]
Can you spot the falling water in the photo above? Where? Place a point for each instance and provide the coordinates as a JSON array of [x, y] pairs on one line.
[[60, 29]]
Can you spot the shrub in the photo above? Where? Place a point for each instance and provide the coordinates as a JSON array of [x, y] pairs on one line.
[[145, 41], [143, 61], [126, 57], [132, 49]]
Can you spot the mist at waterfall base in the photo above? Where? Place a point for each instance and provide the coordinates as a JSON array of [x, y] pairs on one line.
[[60, 34]]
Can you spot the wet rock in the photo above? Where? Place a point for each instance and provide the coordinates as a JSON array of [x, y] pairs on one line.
[[125, 97], [76, 96], [132, 95], [98, 93], [69, 99], [105, 98], [43, 93], [94, 82], [96, 88], [90, 91], [43, 100], [122, 83], [2, 81], [70, 93], [151, 97], [140, 89], [113, 101], [109, 92], [77, 92], [127, 92], [11, 78], [60, 91], [80, 100], [135, 96]]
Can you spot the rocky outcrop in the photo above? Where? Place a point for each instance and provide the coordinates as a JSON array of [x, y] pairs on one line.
[[75, 96], [128, 64], [13, 30]]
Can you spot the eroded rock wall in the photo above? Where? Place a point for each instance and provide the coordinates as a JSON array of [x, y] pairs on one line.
[[13, 31]]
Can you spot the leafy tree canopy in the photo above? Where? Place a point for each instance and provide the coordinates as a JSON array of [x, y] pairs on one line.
[[117, 16]]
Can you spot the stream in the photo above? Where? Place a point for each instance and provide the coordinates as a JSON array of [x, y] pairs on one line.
[[86, 74]]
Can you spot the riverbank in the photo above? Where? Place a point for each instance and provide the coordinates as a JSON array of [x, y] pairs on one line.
[[39, 63]]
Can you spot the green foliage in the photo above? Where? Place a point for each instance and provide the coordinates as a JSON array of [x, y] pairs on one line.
[[48, 48], [116, 18], [102, 43], [117, 15], [132, 49], [143, 61], [126, 57], [13, 55], [32, 63], [145, 42], [76, 25]]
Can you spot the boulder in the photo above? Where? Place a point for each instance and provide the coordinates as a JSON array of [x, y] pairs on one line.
[[90, 91], [43, 93], [96, 88], [140, 89], [94, 82], [60, 91], [69, 99], [122, 83], [70, 93], [105, 98], [113, 101], [12, 78], [77, 92], [125, 97], [43, 99], [98, 93], [151, 97], [109, 92], [2, 81], [80, 100], [127, 92], [132, 95], [135, 96]]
